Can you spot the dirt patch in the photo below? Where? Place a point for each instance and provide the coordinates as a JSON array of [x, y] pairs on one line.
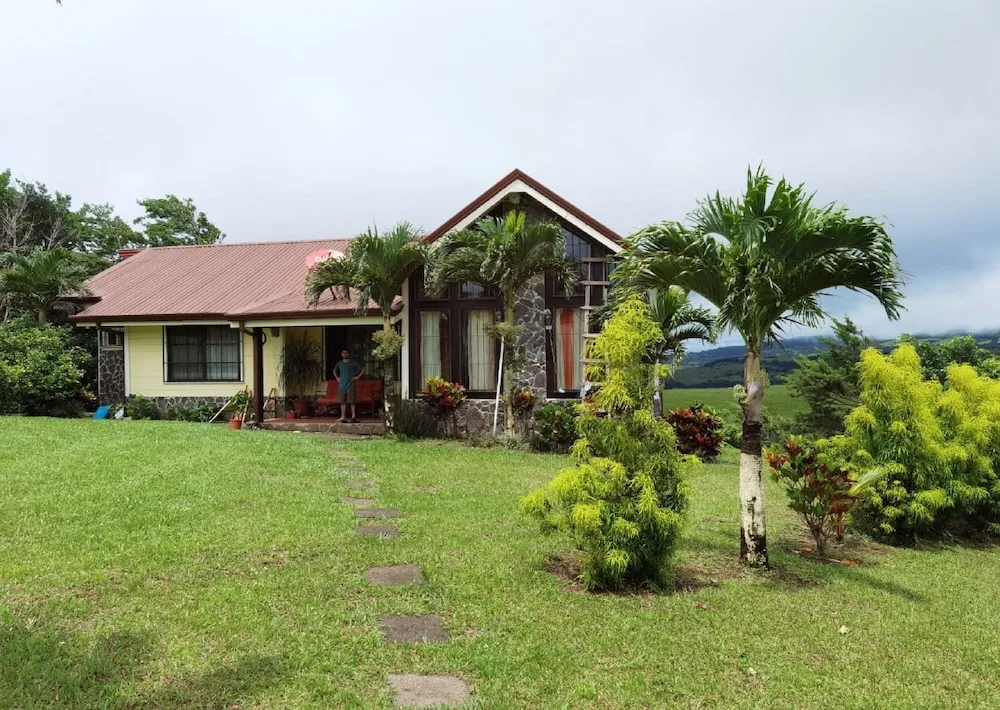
[[423, 489]]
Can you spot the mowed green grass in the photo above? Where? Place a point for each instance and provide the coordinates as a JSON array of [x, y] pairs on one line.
[[173, 565], [778, 399]]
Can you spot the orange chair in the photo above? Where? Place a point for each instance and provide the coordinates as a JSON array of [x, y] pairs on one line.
[[368, 392]]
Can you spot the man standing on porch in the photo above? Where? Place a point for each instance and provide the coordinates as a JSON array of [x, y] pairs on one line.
[[347, 372]]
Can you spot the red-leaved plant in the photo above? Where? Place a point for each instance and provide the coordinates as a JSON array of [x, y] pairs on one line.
[[441, 396], [698, 432], [819, 488]]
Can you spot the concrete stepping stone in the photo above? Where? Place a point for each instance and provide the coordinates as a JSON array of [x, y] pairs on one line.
[[377, 530], [423, 489], [358, 484], [395, 576], [363, 502], [421, 628], [428, 691], [373, 513]]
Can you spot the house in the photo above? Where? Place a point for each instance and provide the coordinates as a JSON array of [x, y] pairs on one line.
[[195, 324]]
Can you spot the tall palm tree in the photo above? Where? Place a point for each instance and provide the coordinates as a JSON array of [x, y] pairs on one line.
[[503, 255], [764, 260], [41, 280], [375, 269]]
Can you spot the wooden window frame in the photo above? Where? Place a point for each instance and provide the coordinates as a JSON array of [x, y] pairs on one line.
[[167, 371]]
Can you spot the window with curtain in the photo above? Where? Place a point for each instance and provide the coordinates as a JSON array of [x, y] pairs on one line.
[[479, 351], [435, 345], [567, 348], [202, 354]]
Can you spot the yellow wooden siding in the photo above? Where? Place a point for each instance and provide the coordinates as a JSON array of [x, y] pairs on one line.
[[144, 350]]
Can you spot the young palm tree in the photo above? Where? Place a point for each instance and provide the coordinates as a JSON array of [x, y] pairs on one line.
[[42, 279], [375, 269], [503, 255], [764, 260]]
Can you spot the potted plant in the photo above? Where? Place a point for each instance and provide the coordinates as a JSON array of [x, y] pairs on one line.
[[301, 368], [239, 405]]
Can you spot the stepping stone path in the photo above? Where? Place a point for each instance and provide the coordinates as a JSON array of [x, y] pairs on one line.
[[412, 691], [395, 576], [373, 513], [425, 628], [377, 530], [428, 691]]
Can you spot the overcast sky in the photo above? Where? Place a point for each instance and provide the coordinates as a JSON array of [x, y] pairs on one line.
[[301, 119]]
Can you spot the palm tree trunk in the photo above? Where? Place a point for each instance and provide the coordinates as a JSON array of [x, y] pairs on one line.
[[508, 375], [42, 319], [388, 376], [753, 530]]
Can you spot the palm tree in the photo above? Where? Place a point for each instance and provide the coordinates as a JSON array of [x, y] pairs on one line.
[[42, 279], [375, 269], [503, 255], [764, 260]]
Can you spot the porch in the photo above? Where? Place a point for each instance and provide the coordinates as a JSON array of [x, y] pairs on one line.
[[366, 426]]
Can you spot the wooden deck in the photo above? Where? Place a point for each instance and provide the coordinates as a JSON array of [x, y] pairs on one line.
[[329, 425]]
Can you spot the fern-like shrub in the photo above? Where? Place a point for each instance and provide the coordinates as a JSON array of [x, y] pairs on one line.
[[698, 432], [623, 500], [940, 446]]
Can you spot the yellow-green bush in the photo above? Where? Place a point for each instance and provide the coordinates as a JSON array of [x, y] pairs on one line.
[[623, 500], [939, 444]]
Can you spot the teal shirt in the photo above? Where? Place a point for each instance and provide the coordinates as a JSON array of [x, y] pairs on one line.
[[347, 371]]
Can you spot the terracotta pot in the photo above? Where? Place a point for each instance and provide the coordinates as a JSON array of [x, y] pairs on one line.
[[236, 423], [301, 407], [290, 414]]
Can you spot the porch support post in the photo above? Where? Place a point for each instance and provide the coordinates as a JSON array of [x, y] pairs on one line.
[[258, 375]]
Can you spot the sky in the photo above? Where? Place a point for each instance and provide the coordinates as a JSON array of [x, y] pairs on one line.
[[316, 118]]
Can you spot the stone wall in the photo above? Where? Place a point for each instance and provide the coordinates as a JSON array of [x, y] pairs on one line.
[[529, 351], [110, 376]]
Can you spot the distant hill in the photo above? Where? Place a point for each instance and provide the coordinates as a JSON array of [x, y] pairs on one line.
[[723, 366]]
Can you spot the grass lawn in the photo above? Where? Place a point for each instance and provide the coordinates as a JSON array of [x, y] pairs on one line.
[[778, 399], [164, 564]]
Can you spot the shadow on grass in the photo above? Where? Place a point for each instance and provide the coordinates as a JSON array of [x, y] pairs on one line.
[[711, 557], [53, 669]]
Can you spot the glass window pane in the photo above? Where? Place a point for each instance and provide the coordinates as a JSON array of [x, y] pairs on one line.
[[435, 345], [479, 352], [470, 289], [568, 349]]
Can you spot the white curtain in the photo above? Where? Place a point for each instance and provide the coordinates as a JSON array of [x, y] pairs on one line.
[[568, 348], [430, 345], [481, 352]]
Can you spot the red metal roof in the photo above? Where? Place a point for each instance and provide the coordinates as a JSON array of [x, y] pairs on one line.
[[219, 281], [538, 187]]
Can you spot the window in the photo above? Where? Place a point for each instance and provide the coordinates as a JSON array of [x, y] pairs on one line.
[[478, 355], [112, 338], [470, 289], [567, 349], [435, 346], [202, 354]]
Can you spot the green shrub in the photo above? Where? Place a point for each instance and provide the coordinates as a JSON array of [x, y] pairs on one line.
[[40, 372], [555, 428], [412, 420], [939, 445], [698, 431], [139, 407], [623, 500], [198, 413]]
